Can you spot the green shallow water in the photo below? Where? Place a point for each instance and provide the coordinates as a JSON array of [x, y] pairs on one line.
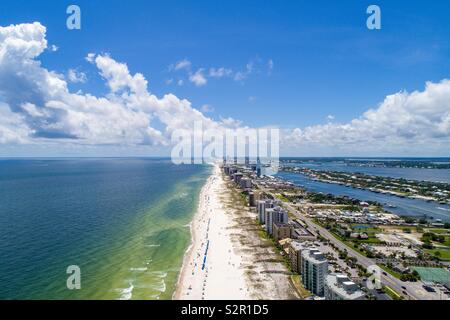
[[123, 222]]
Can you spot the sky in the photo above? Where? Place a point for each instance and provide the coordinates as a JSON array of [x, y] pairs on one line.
[[311, 68]]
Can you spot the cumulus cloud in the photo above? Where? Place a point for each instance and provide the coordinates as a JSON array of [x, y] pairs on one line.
[[416, 120], [207, 108], [12, 127], [201, 76], [38, 106], [76, 76], [198, 78], [220, 72], [180, 65], [242, 75]]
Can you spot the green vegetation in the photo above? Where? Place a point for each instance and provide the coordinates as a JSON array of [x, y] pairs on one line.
[[282, 197], [437, 191], [390, 271], [441, 254], [438, 231], [298, 285], [412, 277], [429, 236]]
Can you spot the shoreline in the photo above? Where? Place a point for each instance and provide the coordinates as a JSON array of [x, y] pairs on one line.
[[189, 250], [210, 262]]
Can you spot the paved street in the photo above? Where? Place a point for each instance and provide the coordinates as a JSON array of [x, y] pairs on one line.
[[414, 291]]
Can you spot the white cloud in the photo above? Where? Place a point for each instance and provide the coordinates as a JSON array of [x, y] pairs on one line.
[[180, 65], [76, 76], [39, 108], [220, 72], [404, 122], [53, 48], [12, 127], [207, 108], [198, 78], [242, 75], [90, 57], [201, 76]]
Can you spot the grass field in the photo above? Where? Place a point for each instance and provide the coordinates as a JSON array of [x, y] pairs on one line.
[[444, 253], [438, 231]]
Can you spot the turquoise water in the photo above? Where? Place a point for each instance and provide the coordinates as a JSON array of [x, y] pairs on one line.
[[124, 222]]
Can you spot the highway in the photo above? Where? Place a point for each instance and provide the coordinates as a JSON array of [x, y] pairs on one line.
[[386, 278]]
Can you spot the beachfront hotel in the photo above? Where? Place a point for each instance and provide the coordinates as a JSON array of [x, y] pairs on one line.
[[274, 215], [339, 287], [314, 268], [295, 254], [262, 206]]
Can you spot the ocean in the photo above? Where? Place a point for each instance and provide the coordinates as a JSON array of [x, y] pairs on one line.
[[123, 222]]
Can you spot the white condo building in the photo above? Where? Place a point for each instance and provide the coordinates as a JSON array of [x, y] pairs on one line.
[[274, 215], [314, 269], [262, 205]]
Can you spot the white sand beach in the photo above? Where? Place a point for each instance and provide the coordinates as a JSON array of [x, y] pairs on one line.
[[228, 259], [211, 268]]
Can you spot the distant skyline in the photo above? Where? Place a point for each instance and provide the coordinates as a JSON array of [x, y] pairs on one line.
[[138, 70]]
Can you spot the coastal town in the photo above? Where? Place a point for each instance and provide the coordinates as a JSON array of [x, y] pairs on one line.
[[424, 190], [339, 248]]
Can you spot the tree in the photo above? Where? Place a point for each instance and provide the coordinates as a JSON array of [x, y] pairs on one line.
[[427, 245]]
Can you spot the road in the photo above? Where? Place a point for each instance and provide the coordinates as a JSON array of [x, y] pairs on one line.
[[386, 278]]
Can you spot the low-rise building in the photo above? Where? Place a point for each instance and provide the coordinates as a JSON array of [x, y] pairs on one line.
[[281, 230], [339, 287], [245, 183], [237, 177]]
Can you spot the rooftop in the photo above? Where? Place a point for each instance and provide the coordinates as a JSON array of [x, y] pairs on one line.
[[342, 285]]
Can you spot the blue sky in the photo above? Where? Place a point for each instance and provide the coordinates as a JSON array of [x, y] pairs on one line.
[[325, 61]]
